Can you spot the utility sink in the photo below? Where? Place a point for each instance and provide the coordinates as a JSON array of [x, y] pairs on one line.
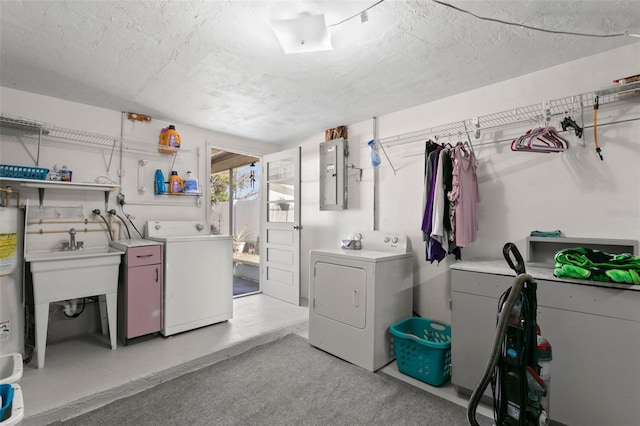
[[62, 275], [72, 274]]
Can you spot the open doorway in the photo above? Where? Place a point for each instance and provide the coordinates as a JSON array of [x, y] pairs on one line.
[[235, 211]]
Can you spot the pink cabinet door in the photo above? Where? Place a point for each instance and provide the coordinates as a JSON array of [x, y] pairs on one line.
[[144, 300]]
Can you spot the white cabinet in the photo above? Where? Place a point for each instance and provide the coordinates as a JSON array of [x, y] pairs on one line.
[[594, 331]]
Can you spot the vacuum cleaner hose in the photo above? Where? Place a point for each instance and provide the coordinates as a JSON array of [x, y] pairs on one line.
[[501, 329]]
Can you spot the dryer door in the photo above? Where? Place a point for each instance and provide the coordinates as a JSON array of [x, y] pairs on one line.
[[340, 293]]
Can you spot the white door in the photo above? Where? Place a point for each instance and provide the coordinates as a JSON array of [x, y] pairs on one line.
[[280, 230]]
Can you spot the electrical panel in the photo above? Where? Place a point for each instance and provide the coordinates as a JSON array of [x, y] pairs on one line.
[[333, 174]]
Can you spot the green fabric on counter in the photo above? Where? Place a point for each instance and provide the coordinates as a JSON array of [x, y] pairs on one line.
[[589, 264]]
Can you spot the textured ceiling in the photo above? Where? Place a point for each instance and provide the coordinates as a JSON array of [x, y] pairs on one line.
[[217, 64]]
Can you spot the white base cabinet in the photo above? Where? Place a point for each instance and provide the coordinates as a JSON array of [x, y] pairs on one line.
[[594, 331]]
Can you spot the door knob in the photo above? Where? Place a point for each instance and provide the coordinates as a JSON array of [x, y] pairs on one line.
[[297, 228]]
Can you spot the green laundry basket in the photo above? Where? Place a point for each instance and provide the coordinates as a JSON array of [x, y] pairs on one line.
[[423, 349]]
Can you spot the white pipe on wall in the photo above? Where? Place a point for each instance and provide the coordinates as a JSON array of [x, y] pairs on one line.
[[375, 181]]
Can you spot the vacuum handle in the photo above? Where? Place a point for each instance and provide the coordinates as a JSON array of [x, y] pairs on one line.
[[511, 249]]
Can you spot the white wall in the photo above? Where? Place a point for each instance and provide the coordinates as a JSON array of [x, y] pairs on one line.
[[88, 164], [520, 192], [573, 192], [247, 215]]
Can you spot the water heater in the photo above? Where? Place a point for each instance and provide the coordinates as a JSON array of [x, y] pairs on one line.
[[11, 287]]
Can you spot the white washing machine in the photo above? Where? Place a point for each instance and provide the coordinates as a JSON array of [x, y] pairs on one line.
[[356, 295], [198, 275]]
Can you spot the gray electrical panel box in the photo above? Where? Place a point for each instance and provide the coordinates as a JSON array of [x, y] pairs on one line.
[[333, 174]]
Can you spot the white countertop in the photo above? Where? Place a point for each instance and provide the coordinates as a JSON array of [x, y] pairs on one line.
[[363, 255], [536, 270], [125, 244]]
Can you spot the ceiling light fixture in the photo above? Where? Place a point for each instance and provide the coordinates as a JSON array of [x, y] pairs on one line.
[[306, 33]]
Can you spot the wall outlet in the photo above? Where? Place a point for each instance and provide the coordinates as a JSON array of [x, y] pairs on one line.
[[120, 199]]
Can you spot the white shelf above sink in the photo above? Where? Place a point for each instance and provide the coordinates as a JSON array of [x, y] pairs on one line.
[[51, 184], [41, 185]]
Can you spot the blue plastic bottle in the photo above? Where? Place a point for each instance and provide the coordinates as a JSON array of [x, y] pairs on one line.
[[159, 185], [375, 156]]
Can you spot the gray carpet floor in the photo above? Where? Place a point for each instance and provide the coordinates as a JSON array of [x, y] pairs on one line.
[[285, 382]]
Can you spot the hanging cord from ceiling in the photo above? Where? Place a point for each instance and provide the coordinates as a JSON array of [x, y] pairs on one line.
[[529, 27], [362, 14]]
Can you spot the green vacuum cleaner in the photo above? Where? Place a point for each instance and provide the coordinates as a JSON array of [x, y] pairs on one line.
[[513, 368]]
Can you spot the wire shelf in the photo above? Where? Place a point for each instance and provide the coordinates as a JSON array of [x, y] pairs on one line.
[[37, 132], [540, 113]]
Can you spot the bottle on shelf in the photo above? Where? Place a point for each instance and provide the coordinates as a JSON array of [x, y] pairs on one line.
[[190, 184], [176, 186], [159, 185], [65, 174], [169, 141], [54, 174]]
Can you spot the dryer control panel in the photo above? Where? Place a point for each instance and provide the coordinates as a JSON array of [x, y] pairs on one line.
[[383, 241]]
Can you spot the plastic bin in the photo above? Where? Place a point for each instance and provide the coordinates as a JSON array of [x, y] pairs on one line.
[[12, 410], [23, 172], [10, 368], [423, 349]]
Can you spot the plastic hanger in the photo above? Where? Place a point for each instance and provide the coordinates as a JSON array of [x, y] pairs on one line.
[[541, 139]]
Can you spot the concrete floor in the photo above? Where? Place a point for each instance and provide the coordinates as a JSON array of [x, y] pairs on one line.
[[81, 374]]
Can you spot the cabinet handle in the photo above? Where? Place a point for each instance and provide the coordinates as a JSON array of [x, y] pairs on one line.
[[157, 275], [141, 256]]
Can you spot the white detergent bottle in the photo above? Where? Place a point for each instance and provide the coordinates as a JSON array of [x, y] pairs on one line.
[[190, 184]]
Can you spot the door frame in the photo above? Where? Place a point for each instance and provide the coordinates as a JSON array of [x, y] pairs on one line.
[[207, 192], [278, 287]]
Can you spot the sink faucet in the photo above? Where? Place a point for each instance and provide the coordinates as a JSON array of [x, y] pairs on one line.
[[72, 238], [72, 244]]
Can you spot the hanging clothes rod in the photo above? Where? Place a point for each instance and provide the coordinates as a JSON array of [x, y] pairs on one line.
[[493, 142], [512, 117], [536, 113]]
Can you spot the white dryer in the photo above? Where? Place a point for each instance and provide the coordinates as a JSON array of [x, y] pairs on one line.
[[356, 295]]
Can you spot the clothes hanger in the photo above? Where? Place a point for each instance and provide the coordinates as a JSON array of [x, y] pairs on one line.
[[552, 134], [429, 142], [468, 141], [540, 139]]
